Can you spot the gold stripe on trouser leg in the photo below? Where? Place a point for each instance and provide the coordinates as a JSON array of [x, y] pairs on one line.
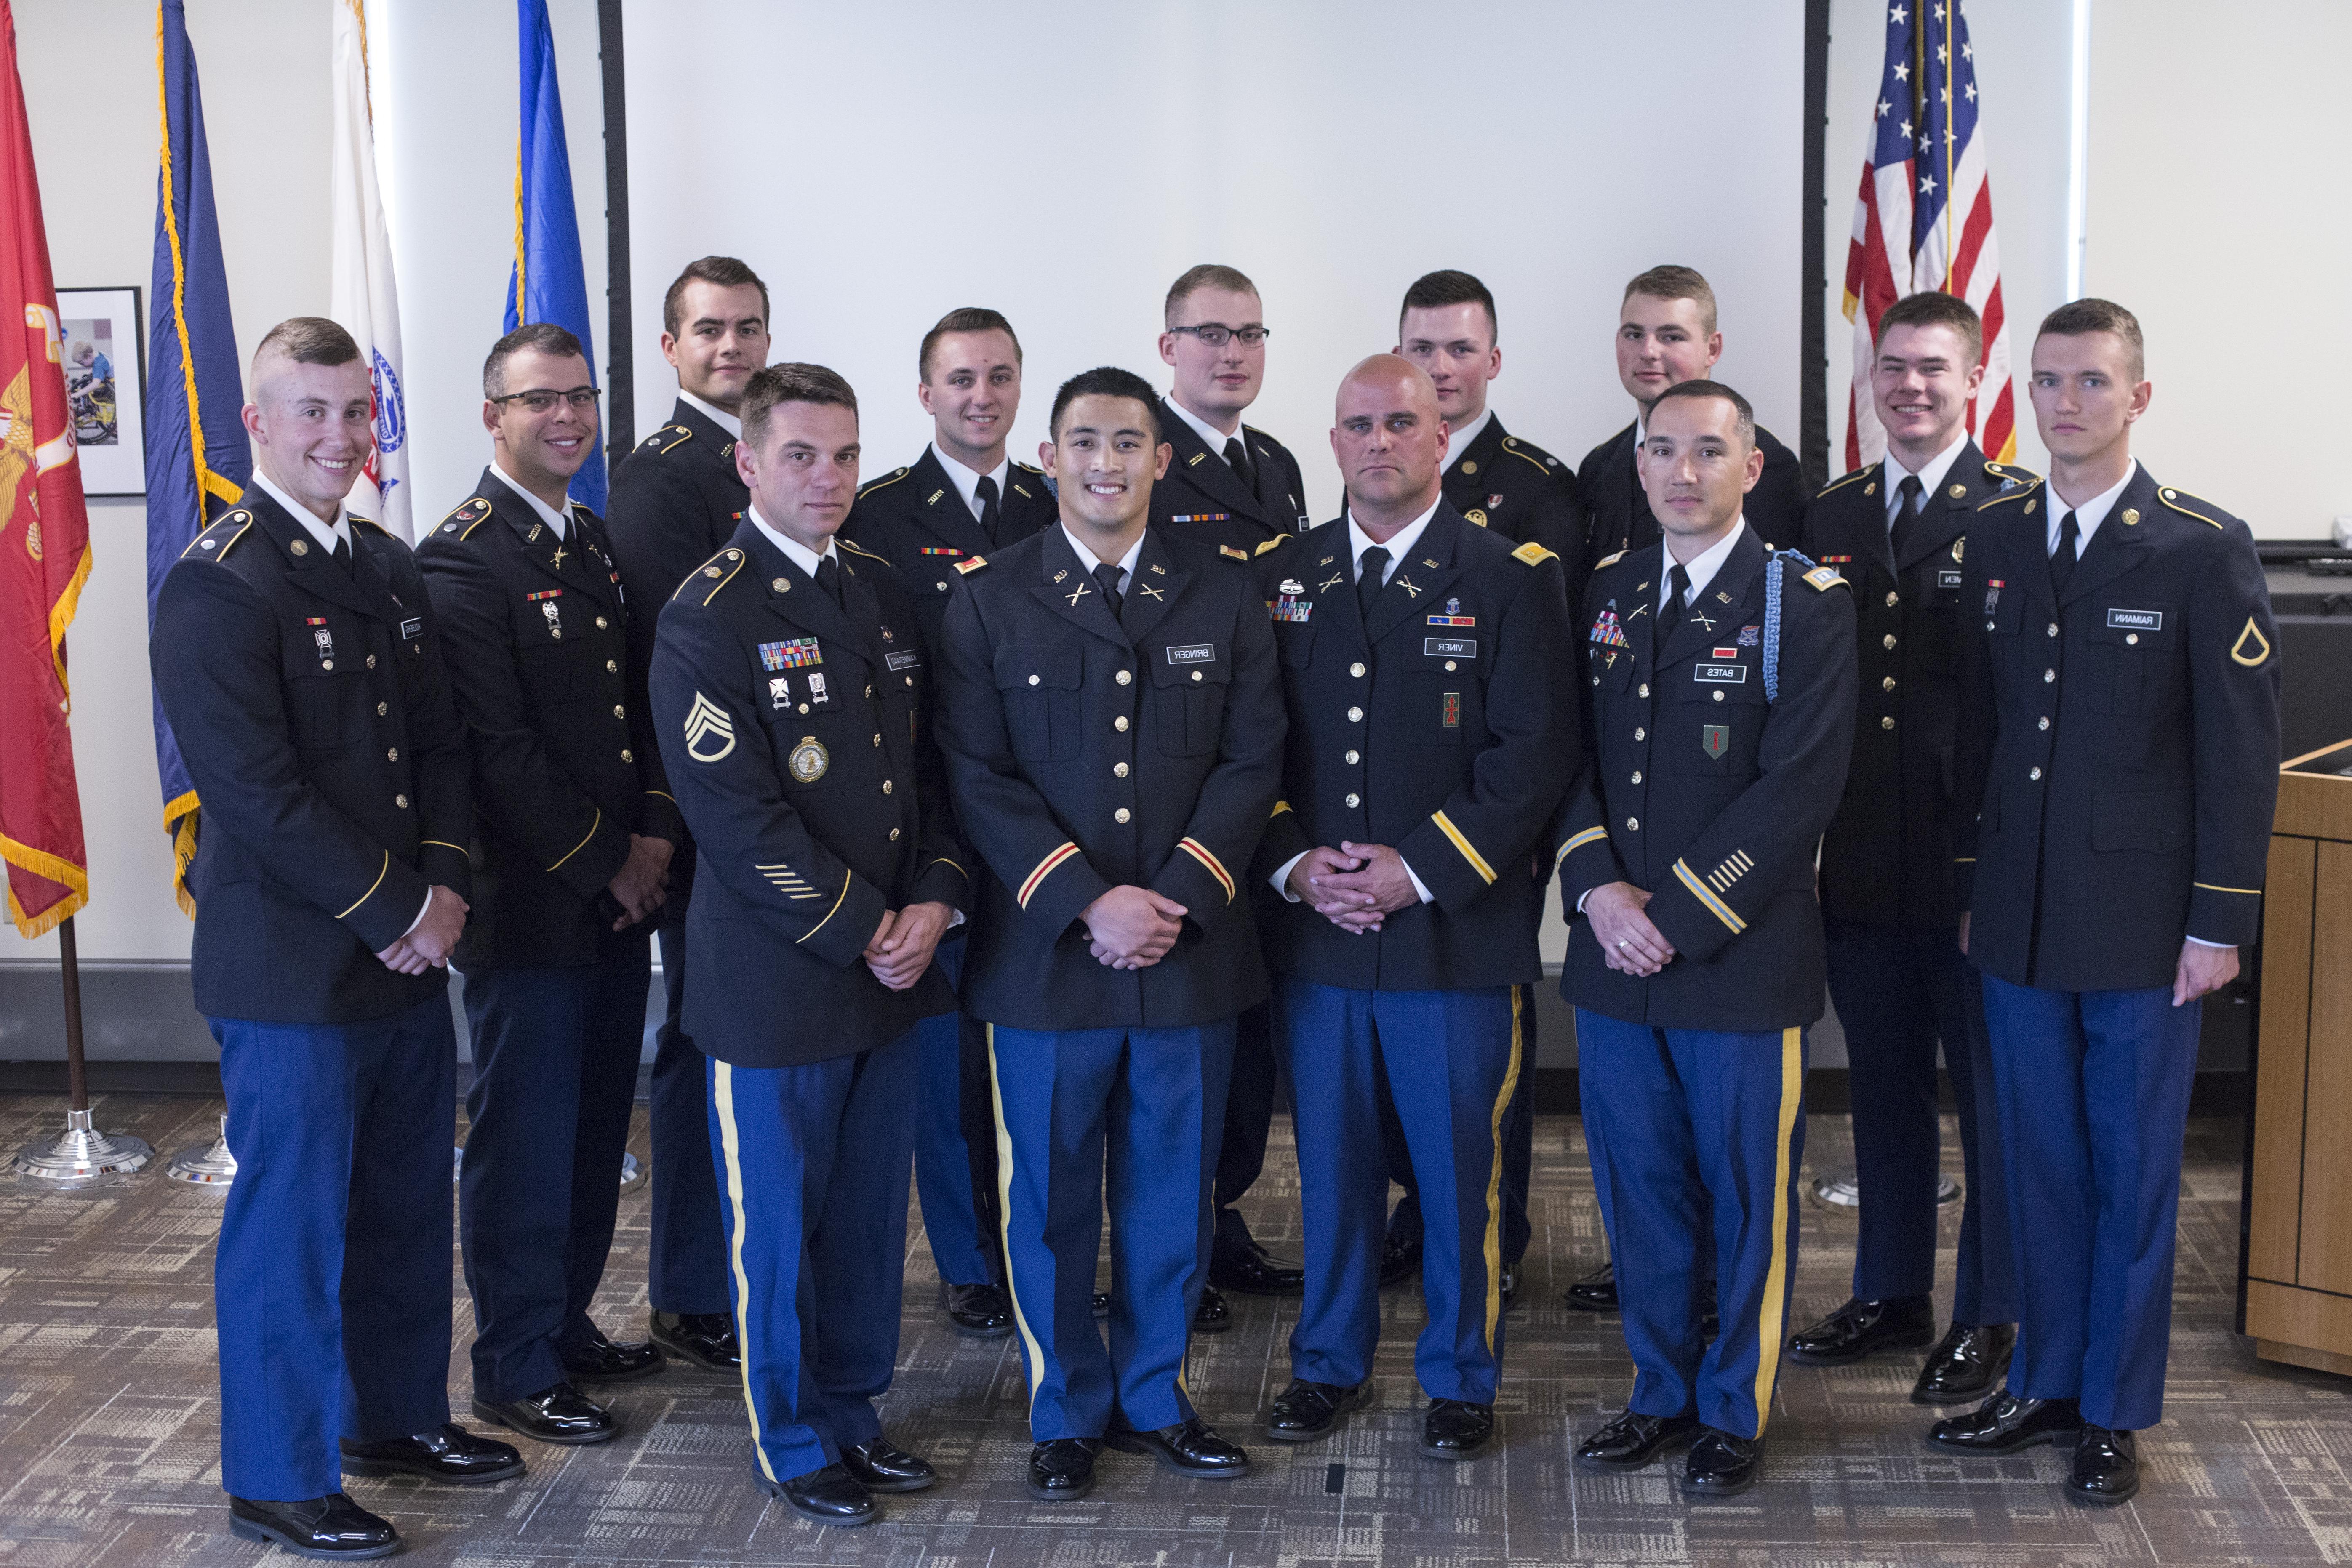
[[1495, 1180], [722, 1095], [1004, 1219], [1770, 1319]]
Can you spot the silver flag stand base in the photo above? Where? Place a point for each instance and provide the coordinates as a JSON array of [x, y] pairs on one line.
[[81, 1154], [1843, 1188], [210, 1166]]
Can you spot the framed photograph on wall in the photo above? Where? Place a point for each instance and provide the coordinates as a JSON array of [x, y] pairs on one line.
[[106, 386]]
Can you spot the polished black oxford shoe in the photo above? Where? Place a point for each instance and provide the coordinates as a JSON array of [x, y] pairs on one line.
[[1308, 1410], [1457, 1429], [1720, 1465], [977, 1311], [1212, 1315], [2107, 1467], [1863, 1328], [1400, 1259], [558, 1415], [705, 1339], [1510, 1285], [447, 1453], [1102, 1303], [1062, 1470], [1251, 1270], [1634, 1440], [1971, 1358], [2006, 1423], [600, 1360], [331, 1527], [1191, 1448], [881, 1467], [1596, 1292], [829, 1496]]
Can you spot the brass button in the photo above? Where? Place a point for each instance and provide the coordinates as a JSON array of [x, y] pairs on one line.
[[329, 663], [1119, 723], [1121, 815], [625, 755], [1637, 775], [910, 680], [1123, 677], [600, 624], [370, 661], [869, 689], [2048, 676], [1893, 600], [392, 756], [1596, 680], [1196, 675], [1354, 758], [1449, 665], [804, 707], [2044, 723], [1646, 690], [1640, 734], [619, 712], [885, 785], [1633, 824], [1719, 697], [1888, 682], [893, 835], [401, 801], [1355, 801], [877, 740], [1118, 770], [2053, 628], [940, 586], [1032, 680], [2035, 774], [2131, 639], [382, 709], [1889, 639], [1357, 670], [1355, 716], [612, 667], [1887, 723]]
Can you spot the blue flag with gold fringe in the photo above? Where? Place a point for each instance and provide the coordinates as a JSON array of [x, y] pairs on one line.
[[549, 282], [197, 459]]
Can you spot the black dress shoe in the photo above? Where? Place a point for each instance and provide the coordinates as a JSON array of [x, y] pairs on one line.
[[2107, 1468], [2006, 1423], [447, 1453], [1251, 1270], [1457, 1429], [1720, 1465], [1062, 1470], [879, 1467], [1861, 1328], [1970, 1360], [558, 1415], [977, 1311], [1102, 1303], [600, 1360], [1400, 1259], [705, 1339], [1212, 1315], [332, 1526], [1308, 1410], [1191, 1448], [829, 1496], [1597, 1292], [1510, 1284], [1634, 1439]]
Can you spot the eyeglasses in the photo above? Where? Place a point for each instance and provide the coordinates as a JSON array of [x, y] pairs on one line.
[[539, 400], [1216, 335]]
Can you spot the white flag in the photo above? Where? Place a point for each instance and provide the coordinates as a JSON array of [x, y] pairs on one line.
[[361, 299]]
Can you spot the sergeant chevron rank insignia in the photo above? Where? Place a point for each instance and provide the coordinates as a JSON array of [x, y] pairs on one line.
[[704, 721]]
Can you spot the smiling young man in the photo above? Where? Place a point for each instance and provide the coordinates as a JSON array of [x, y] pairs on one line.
[[575, 827], [676, 498], [2118, 749], [1114, 732], [791, 697], [1721, 680]]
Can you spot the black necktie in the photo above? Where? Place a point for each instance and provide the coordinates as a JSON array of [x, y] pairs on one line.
[[2061, 560], [342, 553], [1907, 520], [1107, 577], [1670, 608], [1237, 459], [828, 578], [987, 493], [1371, 576]]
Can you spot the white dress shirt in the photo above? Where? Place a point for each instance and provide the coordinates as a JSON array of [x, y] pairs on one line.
[[1930, 476], [1209, 433], [550, 515], [1702, 567], [2088, 516], [730, 423], [1087, 558], [799, 554], [967, 480], [1458, 442]]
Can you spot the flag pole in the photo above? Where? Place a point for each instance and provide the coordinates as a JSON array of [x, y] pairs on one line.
[[80, 1154]]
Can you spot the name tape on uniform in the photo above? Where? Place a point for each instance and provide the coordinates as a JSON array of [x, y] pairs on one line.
[[1450, 647], [2136, 620], [1193, 653]]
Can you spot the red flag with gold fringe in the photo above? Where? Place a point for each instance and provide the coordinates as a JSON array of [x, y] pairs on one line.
[[43, 545]]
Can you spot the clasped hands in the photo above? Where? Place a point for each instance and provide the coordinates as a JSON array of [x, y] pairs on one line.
[[1355, 886], [903, 944], [1621, 922], [1131, 927]]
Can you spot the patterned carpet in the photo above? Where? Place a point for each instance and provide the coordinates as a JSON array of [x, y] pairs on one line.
[[108, 1426]]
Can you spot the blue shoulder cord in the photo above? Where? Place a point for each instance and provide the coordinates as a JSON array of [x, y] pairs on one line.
[[1773, 577]]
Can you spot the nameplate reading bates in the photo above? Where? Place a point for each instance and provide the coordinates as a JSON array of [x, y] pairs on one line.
[[1193, 653], [1734, 674], [2136, 620], [1450, 647]]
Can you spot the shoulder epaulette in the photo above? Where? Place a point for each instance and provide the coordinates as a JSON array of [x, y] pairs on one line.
[[2190, 506], [2011, 490], [1533, 554], [854, 549], [972, 563], [1233, 553], [668, 436], [1843, 480], [464, 520], [1275, 543], [1823, 577], [890, 478], [1545, 462], [371, 525], [713, 574], [1028, 469], [215, 542], [1611, 561], [2010, 473]]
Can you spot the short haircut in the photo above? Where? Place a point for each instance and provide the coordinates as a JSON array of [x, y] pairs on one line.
[[1703, 390], [1208, 274], [1933, 308], [789, 384], [307, 340], [1106, 381], [542, 336], [967, 319], [2084, 316], [723, 270], [1447, 287], [1672, 282]]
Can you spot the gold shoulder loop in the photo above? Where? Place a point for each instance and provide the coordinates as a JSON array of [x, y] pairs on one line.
[[215, 542], [890, 478], [371, 525], [2190, 506], [466, 517], [1275, 543], [715, 574], [1511, 445], [1824, 578], [1843, 480], [2021, 489], [2011, 471], [970, 564], [1534, 554], [1611, 561], [1024, 467], [856, 548], [668, 436]]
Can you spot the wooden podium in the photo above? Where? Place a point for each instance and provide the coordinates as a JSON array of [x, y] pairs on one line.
[[2296, 1301]]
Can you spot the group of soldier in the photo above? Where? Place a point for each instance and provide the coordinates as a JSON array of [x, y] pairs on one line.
[[1024, 828]]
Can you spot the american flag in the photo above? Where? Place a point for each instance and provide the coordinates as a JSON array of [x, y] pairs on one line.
[[1924, 217]]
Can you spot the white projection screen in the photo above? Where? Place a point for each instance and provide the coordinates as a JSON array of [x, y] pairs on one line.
[[880, 164]]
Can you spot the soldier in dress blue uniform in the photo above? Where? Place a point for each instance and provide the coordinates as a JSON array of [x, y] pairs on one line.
[[2119, 726], [1721, 678], [791, 694], [1898, 531], [574, 826], [1114, 731], [962, 497], [676, 499], [1426, 675], [299, 662]]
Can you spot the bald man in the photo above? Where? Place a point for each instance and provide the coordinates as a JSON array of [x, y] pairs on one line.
[[1432, 734]]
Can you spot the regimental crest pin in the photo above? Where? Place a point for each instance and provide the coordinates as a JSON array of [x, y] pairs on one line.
[[1749, 636]]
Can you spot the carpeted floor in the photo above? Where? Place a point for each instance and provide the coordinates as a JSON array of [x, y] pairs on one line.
[[108, 1425]]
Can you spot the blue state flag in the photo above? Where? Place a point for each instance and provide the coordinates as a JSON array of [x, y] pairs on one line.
[[549, 282], [197, 459]]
